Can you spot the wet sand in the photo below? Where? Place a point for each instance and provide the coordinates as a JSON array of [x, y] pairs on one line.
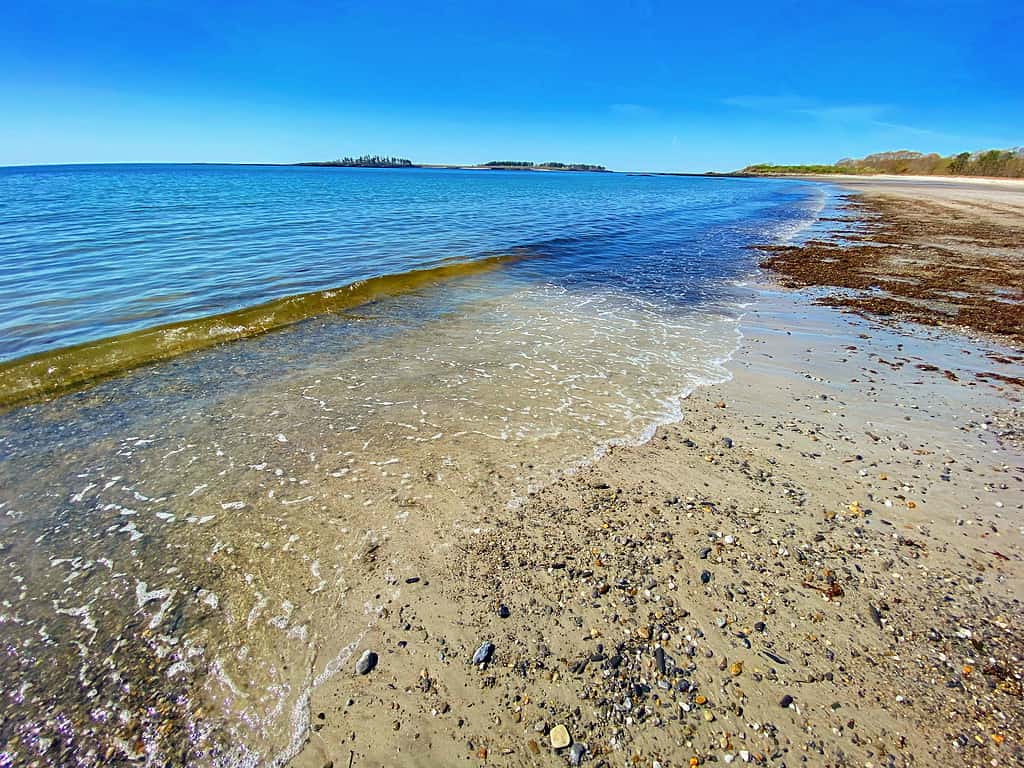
[[821, 564]]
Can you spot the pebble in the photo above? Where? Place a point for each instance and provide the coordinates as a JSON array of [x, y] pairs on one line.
[[727, 442], [484, 652], [659, 659], [503, 611], [559, 736], [366, 662], [576, 753], [786, 701], [705, 577]]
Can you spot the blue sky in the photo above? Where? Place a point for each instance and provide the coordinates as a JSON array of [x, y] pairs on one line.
[[670, 86]]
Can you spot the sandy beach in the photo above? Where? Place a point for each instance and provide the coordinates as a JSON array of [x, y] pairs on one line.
[[383, 537], [512, 385], [821, 564]]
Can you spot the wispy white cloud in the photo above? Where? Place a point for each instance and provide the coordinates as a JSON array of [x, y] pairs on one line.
[[869, 115]]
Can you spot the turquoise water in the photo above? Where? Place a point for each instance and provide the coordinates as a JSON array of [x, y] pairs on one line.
[[171, 530], [88, 252]]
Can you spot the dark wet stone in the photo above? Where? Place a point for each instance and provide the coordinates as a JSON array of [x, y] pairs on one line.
[[484, 652], [705, 577], [727, 442], [786, 701], [576, 753], [577, 667], [366, 662], [503, 611]]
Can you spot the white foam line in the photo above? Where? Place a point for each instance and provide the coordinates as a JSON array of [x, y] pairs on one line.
[[300, 710]]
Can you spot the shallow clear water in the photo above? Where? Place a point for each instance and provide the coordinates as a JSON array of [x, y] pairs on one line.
[[184, 545]]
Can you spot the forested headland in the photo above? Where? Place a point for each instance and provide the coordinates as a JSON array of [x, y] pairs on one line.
[[1006, 163]]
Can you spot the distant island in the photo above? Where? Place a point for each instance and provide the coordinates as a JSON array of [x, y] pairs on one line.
[[526, 165], [381, 161], [364, 161], [1006, 163]]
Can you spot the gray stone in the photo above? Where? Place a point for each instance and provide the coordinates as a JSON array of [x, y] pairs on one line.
[[366, 662], [484, 652], [576, 753]]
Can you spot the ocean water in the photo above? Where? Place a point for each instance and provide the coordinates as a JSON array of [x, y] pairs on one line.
[[225, 386]]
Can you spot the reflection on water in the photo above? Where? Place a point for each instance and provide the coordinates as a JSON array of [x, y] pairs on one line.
[[186, 549]]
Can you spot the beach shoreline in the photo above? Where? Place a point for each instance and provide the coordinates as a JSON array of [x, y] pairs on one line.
[[822, 561], [288, 550]]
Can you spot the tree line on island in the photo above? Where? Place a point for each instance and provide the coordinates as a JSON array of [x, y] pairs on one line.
[[365, 161], [1005, 163], [551, 166]]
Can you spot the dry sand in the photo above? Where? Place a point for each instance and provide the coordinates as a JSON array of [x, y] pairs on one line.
[[821, 565]]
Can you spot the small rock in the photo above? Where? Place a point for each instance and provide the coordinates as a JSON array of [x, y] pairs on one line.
[[705, 577], [727, 442], [576, 753], [484, 652], [560, 738], [366, 662], [786, 701], [503, 611]]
